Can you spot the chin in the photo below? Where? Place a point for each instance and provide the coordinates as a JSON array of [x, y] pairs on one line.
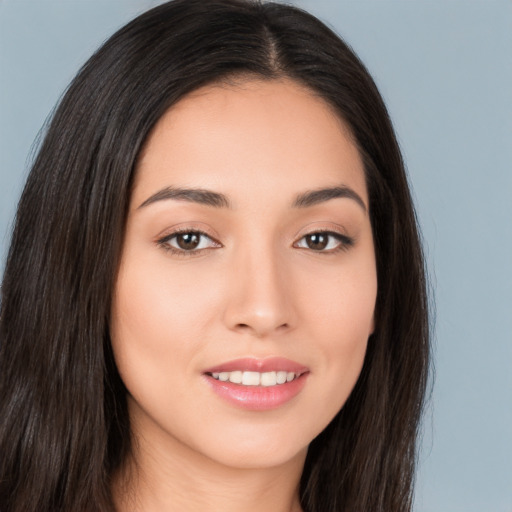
[[256, 456], [258, 445]]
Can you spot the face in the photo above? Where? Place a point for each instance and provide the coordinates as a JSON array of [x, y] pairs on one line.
[[247, 283]]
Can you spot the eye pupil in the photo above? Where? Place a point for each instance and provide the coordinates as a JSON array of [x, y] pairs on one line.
[[188, 241], [317, 241]]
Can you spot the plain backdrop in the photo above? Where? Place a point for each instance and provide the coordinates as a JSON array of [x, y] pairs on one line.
[[444, 68]]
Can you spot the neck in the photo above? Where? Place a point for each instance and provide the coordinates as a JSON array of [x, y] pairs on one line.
[[180, 479]]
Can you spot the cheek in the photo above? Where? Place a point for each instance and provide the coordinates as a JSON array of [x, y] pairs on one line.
[[151, 303], [141, 322], [340, 302], [156, 336], [341, 319]]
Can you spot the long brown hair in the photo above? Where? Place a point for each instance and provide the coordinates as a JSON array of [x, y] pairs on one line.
[[64, 427]]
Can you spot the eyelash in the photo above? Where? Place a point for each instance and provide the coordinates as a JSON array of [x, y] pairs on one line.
[[344, 242]]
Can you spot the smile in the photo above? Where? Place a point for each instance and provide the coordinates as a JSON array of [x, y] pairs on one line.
[[256, 378], [257, 385]]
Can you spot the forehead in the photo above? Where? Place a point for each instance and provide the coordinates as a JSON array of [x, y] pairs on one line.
[[250, 135]]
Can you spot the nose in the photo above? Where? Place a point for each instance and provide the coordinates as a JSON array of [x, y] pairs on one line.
[[260, 297]]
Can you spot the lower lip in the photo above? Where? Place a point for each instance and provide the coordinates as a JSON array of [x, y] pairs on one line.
[[257, 398]]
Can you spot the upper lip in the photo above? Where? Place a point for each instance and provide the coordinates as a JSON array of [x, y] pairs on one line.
[[251, 364]]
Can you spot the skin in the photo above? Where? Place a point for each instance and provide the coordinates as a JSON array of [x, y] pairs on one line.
[[254, 288]]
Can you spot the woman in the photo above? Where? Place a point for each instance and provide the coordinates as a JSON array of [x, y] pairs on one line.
[[214, 295]]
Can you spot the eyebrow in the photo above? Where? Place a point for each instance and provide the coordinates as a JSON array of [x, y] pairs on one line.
[[218, 200], [314, 197], [193, 195]]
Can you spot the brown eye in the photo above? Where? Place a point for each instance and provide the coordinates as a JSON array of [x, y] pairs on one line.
[[188, 241], [317, 241]]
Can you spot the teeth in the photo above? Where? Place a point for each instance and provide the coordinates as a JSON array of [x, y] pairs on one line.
[[256, 378], [281, 377], [235, 377], [251, 379], [268, 379]]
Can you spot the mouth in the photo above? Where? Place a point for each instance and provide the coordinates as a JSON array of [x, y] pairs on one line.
[[257, 384]]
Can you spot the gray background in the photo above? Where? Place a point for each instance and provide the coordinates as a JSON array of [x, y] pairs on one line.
[[445, 70]]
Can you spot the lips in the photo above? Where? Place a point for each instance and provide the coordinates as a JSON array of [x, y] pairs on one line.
[[257, 384]]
